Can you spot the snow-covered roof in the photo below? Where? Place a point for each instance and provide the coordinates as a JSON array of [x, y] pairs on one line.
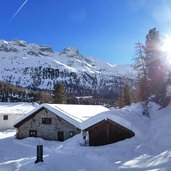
[[129, 117], [74, 114], [19, 108]]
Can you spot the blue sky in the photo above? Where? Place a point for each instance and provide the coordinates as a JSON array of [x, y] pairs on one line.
[[103, 29]]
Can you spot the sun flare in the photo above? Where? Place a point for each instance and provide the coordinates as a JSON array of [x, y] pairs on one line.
[[167, 47]]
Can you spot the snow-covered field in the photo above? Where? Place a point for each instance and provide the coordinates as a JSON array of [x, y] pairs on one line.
[[150, 149]]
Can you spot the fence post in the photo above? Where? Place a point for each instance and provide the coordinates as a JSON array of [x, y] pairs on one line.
[[39, 154]]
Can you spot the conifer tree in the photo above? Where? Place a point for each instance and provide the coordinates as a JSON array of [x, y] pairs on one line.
[[151, 66], [140, 67], [139, 59], [126, 95], [125, 98], [120, 101], [45, 97], [59, 94], [155, 65]]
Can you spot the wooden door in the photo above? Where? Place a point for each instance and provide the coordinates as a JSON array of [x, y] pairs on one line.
[[60, 136]]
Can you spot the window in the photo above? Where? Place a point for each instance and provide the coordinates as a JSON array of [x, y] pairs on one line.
[[46, 120], [72, 133], [5, 117], [32, 133]]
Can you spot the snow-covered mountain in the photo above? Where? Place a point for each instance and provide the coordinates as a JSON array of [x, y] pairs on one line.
[[35, 66]]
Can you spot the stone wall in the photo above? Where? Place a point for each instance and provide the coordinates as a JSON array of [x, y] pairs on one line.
[[46, 131]]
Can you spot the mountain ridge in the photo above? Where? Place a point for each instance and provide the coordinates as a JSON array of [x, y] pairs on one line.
[[40, 67]]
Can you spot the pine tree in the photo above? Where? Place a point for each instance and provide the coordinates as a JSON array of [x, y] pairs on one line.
[[139, 59], [140, 67], [59, 94], [155, 65], [126, 95], [45, 97], [120, 101], [151, 65], [125, 98]]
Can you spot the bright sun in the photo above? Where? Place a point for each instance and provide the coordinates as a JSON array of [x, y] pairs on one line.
[[167, 47]]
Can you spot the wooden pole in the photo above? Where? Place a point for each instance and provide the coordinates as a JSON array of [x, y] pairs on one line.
[[39, 154]]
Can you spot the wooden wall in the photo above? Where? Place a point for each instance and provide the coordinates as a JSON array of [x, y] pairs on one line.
[[106, 132]]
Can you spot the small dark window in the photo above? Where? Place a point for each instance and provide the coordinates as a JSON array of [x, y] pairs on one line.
[[5, 117], [32, 133], [72, 133], [46, 120]]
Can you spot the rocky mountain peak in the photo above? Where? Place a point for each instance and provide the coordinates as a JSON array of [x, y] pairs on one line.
[[71, 52], [38, 66], [20, 43]]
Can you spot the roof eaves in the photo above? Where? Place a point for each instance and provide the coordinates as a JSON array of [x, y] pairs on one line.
[[25, 117]]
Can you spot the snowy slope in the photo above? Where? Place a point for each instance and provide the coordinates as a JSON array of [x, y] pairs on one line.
[[31, 65], [149, 150]]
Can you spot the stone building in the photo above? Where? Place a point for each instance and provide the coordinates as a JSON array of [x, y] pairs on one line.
[[55, 121]]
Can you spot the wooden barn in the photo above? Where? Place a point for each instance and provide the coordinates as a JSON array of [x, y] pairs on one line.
[[105, 130], [55, 121]]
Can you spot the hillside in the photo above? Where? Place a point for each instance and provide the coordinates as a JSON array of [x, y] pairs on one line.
[[149, 149], [40, 67]]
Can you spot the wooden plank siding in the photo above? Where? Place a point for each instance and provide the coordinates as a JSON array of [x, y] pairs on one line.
[[106, 132]]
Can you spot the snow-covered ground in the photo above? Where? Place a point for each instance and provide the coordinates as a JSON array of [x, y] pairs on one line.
[[150, 149]]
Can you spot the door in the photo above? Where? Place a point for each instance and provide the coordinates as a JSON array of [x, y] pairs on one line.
[[60, 136]]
